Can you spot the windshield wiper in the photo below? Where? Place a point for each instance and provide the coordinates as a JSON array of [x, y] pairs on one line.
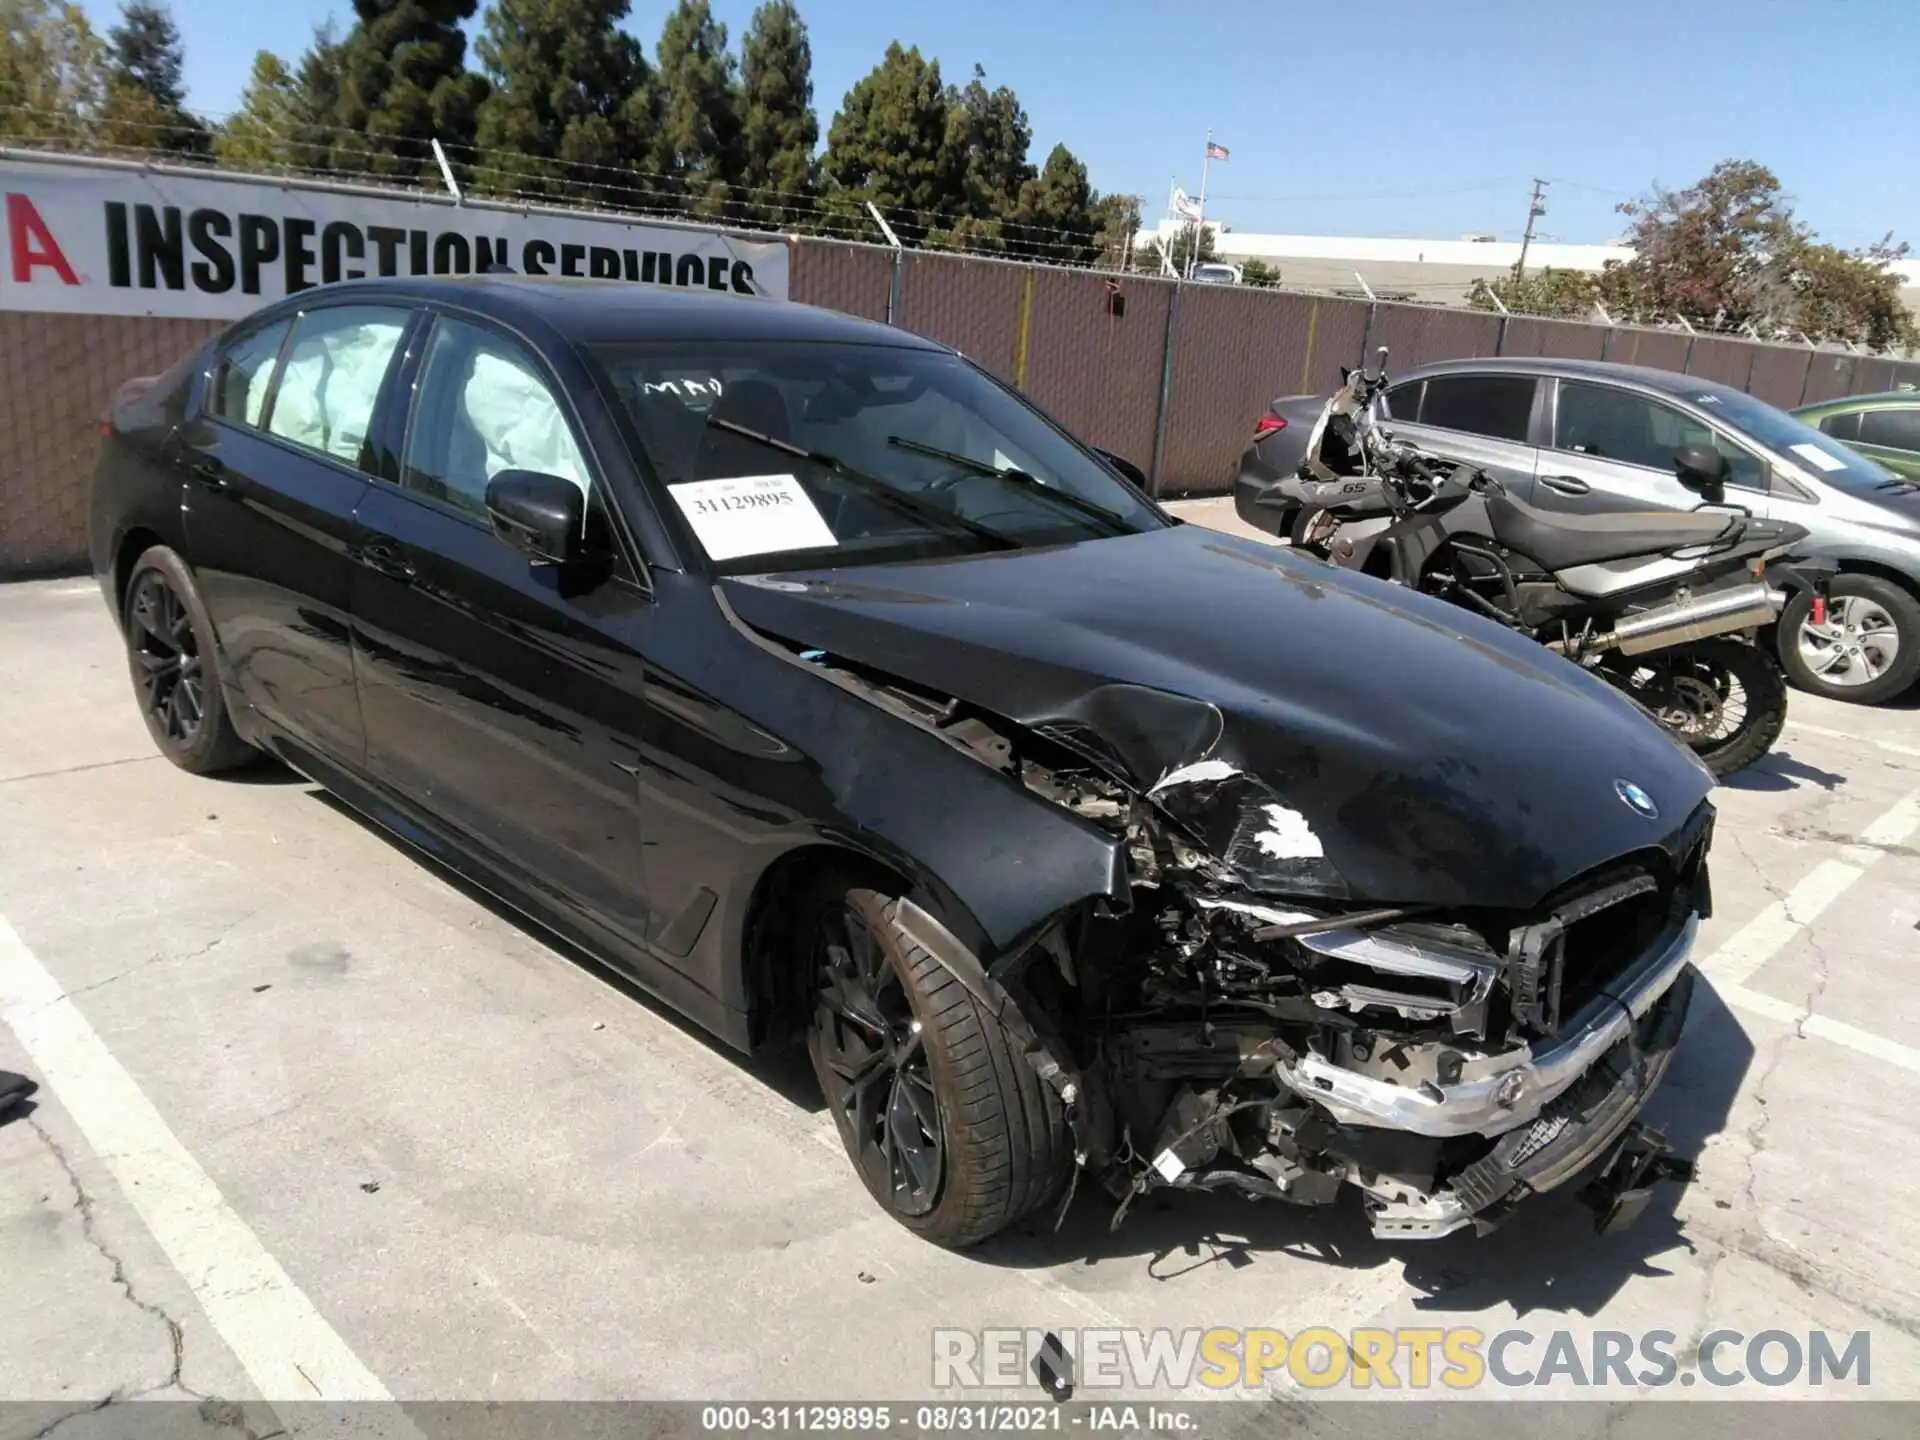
[[1013, 475], [879, 489]]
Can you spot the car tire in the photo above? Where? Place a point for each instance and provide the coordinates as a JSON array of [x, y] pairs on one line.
[[1868, 600], [170, 658], [951, 1130]]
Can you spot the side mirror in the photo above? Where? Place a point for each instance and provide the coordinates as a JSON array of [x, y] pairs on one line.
[[1126, 467], [1704, 469], [542, 516]]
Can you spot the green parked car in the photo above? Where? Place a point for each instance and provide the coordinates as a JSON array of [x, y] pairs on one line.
[[1885, 427]]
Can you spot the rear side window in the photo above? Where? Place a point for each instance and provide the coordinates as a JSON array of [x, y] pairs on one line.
[[1842, 427], [244, 375], [1403, 401], [332, 375], [1895, 429], [1497, 406]]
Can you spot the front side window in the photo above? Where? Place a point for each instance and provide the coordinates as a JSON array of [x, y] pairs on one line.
[[1612, 424], [1893, 429], [484, 406], [335, 365], [1499, 407], [244, 374], [782, 454]]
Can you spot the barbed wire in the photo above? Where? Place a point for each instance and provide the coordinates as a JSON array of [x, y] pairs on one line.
[[510, 178]]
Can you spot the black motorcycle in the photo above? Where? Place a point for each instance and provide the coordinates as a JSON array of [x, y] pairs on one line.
[[1661, 604]]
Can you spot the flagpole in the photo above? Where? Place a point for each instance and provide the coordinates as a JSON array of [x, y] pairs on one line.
[[1200, 222]]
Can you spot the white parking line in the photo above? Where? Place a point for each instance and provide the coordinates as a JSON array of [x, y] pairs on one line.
[[1895, 746], [1769, 932], [288, 1349], [1774, 928], [1820, 1027]]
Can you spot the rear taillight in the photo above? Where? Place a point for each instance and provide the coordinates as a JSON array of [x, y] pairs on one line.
[[1268, 424]]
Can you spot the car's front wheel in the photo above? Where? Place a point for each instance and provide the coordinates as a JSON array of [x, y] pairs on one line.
[[951, 1130], [1865, 649], [170, 656]]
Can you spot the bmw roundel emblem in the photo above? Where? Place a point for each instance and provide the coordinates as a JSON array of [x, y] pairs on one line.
[[1637, 799]]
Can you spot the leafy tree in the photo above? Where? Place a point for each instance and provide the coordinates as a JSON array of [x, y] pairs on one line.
[[1258, 272], [145, 104], [1118, 219], [1055, 219], [255, 136], [53, 73], [403, 83], [1569, 294], [990, 134], [1852, 296], [557, 118], [1728, 251], [699, 107], [1182, 246], [778, 129], [889, 144]]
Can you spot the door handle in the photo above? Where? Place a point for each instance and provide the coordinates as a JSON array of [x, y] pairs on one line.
[[1566, 484], [381, 557], [211, 471]]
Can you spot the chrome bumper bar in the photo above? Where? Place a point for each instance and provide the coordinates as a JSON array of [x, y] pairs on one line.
[[1496, 1094]]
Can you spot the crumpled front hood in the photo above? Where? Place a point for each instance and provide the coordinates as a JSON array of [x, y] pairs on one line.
[[1420, 754]]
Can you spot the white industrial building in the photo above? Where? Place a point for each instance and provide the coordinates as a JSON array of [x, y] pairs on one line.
[[1433, 271]]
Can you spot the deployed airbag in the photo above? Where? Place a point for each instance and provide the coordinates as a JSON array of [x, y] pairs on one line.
[[329, 385], [519, 421]]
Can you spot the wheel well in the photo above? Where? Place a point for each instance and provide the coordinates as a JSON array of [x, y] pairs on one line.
[[133, 545], [772, 946], [1883, 572]]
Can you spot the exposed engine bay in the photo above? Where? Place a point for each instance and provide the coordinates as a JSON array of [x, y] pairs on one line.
[[1243, 1022]]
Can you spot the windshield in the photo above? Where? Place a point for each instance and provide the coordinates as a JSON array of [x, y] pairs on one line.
[[783, 455], [1816, 452]]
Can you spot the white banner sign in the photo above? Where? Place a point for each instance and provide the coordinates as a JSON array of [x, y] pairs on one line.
[[96, 240]]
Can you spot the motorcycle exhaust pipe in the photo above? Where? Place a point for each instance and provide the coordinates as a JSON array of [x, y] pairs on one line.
[[1746, 607]]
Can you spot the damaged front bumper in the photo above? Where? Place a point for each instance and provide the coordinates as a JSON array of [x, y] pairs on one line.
[[1503, 1091]]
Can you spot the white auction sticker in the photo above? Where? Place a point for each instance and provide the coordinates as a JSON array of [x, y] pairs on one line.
[[1814, 455], [752, 515]]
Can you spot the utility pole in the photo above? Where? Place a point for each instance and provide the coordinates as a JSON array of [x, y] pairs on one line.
[[1535, 209]]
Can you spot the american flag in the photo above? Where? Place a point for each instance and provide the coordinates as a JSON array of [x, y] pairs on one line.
[[1216, 152]]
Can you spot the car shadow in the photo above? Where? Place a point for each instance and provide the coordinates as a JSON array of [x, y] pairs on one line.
[[1546, 1257], [1777, 771], [785, 1070]]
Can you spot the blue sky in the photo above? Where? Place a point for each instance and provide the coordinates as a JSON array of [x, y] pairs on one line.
[[1374, 117]]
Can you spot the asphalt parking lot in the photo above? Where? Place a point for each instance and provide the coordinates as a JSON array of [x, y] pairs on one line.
[[317, 1121]]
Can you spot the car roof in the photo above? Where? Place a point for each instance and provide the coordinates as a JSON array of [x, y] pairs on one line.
[[1671, 382], [601, 311], [1864, 402]]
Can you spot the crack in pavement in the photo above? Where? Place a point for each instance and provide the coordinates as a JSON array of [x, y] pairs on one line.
[[225, 932], [89, 1231], [78, 769]]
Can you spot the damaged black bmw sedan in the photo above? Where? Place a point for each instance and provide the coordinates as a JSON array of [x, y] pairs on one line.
[[803, 672]]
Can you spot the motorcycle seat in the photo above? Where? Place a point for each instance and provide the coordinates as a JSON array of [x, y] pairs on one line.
[[1560, 542]]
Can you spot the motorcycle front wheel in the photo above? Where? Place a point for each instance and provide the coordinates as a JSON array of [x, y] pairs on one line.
[[1723, 699]]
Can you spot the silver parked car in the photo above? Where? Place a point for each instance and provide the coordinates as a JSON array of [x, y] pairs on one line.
[[1586, 437]]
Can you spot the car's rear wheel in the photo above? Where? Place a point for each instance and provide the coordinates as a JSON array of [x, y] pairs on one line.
[[1865, 650], [951, 1130], [170, 656]]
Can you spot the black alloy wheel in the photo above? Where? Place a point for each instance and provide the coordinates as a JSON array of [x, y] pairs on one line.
[[872, 1055], [950, 1127], [167, 666], [170, 656]]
